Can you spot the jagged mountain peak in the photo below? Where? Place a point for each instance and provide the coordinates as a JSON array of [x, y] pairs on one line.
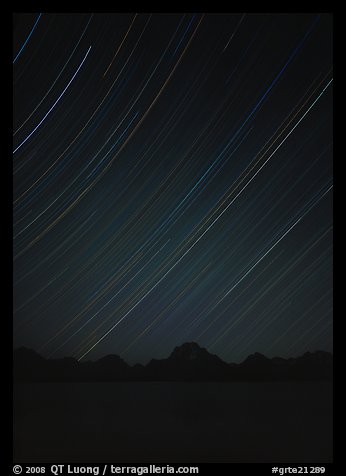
[[256, 357], [189, 351]]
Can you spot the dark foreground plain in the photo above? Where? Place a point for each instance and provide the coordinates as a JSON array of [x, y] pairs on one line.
[[173, 422]]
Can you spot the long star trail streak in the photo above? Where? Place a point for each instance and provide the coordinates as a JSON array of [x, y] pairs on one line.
[[235, 31], [55, 103], [121, 44], [28, 38], [264, 256], [172, 182], [56, 79]]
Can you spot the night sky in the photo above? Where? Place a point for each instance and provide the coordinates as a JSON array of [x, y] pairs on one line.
[[172, 178]]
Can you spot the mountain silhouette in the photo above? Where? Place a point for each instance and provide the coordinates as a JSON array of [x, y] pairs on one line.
[[188, 362]]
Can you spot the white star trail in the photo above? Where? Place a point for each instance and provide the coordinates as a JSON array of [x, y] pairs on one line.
[[55, 103]]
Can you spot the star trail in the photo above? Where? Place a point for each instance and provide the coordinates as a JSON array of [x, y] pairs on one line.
[[172, 182]]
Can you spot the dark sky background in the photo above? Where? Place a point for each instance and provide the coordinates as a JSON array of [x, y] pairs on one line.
[[172, 183]]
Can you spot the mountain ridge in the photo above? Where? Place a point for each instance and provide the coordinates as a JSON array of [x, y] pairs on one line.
[[187, 362]]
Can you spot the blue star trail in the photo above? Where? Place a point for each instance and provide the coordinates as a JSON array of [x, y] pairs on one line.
[[173, 182], [28, 38]]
